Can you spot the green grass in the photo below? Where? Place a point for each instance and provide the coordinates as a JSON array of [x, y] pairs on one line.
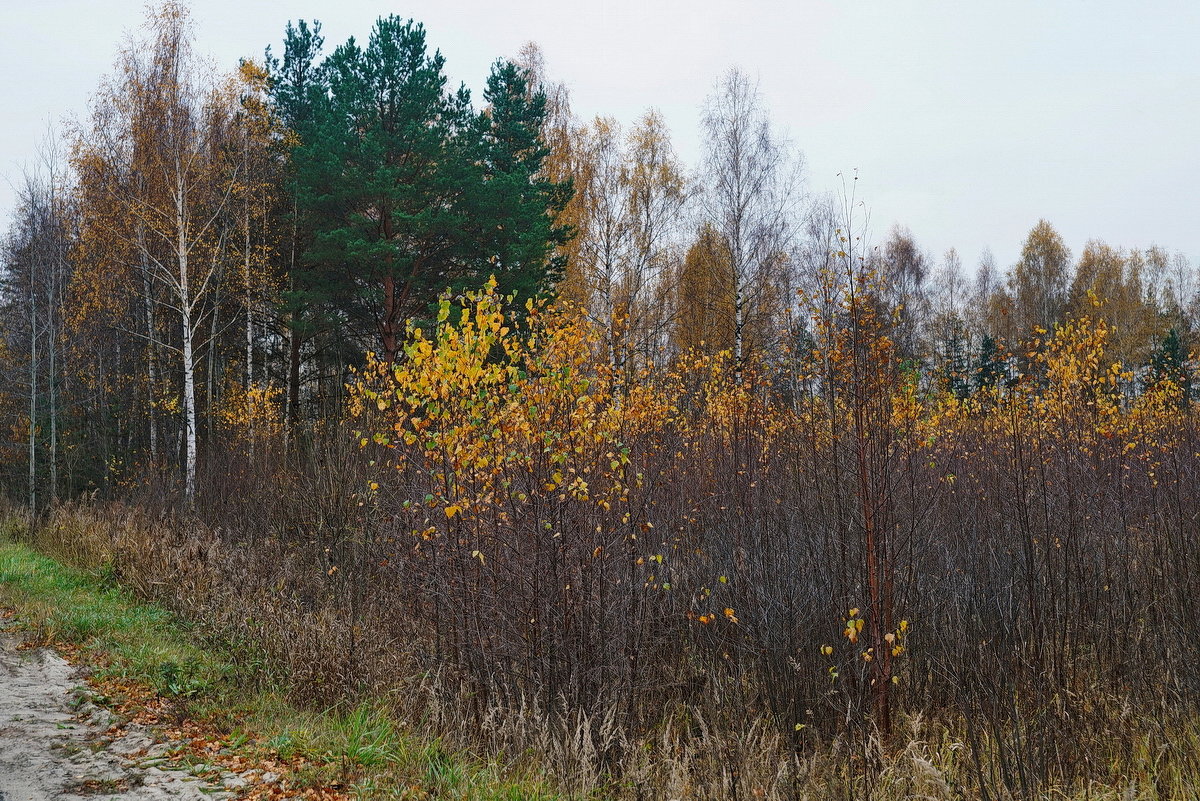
[[132, 640]]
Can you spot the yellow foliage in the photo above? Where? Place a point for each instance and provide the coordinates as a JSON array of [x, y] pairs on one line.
[[498, 416], [251, 414]]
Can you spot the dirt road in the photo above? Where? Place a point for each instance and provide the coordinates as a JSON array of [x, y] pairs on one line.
[[54, 744]]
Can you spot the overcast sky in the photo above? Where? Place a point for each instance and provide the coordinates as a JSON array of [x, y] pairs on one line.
[[967, 121]]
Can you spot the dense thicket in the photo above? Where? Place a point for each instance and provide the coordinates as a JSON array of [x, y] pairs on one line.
[[671, 477]]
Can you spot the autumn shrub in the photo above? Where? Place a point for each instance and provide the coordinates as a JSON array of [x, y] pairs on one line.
[[866, 548], [814, 576]]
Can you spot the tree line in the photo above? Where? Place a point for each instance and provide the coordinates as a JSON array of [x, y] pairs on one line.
[[209, 238]]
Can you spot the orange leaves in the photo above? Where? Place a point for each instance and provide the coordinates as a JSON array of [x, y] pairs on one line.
[[708, 618]]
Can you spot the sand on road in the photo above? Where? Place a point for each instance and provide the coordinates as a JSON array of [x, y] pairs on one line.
[[55, 744]]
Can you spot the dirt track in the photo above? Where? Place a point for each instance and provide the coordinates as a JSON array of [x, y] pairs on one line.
[[55, 744]]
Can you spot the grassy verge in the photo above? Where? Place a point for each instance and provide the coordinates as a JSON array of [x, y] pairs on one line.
[[148, 659]]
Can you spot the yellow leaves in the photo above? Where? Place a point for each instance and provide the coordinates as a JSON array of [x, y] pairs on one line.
[[250, 414], [730, 616], [578, 489], [854, 626], [493, 414]]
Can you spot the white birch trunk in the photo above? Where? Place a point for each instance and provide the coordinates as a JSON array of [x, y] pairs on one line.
[[249, 301], [189, 363]]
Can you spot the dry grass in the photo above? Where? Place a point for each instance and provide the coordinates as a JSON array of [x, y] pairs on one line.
[[303, 640]]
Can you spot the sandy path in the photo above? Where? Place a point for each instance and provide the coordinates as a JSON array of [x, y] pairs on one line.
[[53, 745]]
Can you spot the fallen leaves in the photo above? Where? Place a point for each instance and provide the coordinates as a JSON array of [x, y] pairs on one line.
[[194, 745]]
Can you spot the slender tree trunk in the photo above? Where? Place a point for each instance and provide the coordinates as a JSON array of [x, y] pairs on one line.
[[152, 340], [293, 374], [249, 294], [293, 379], [249, 302], [739, 326], [51, 386], [387, 327], [210, 397], [189, 404], [189, 365], [54, 307], [32, 398], [610, 324], [393, 301], [738, 276]]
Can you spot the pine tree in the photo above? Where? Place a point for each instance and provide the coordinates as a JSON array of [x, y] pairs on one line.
[[514, 204], [381, 176], [1169, 362], [956, 377], [989, 365], [296, 88]]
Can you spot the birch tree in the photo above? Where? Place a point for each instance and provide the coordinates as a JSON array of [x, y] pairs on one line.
[[566, 164], [1040, 280], [155, 150], [634, 198], [750, 179]]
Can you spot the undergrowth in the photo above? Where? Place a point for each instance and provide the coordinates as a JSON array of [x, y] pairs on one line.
[[362, 747], [387, 743]]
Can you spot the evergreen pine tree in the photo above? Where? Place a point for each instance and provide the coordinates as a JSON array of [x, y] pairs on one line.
[[381, 177], [989, 365], [1169, 362], [956, 376], [515, 205]]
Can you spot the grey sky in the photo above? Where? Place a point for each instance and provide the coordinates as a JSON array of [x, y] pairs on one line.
[[967, 121]]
